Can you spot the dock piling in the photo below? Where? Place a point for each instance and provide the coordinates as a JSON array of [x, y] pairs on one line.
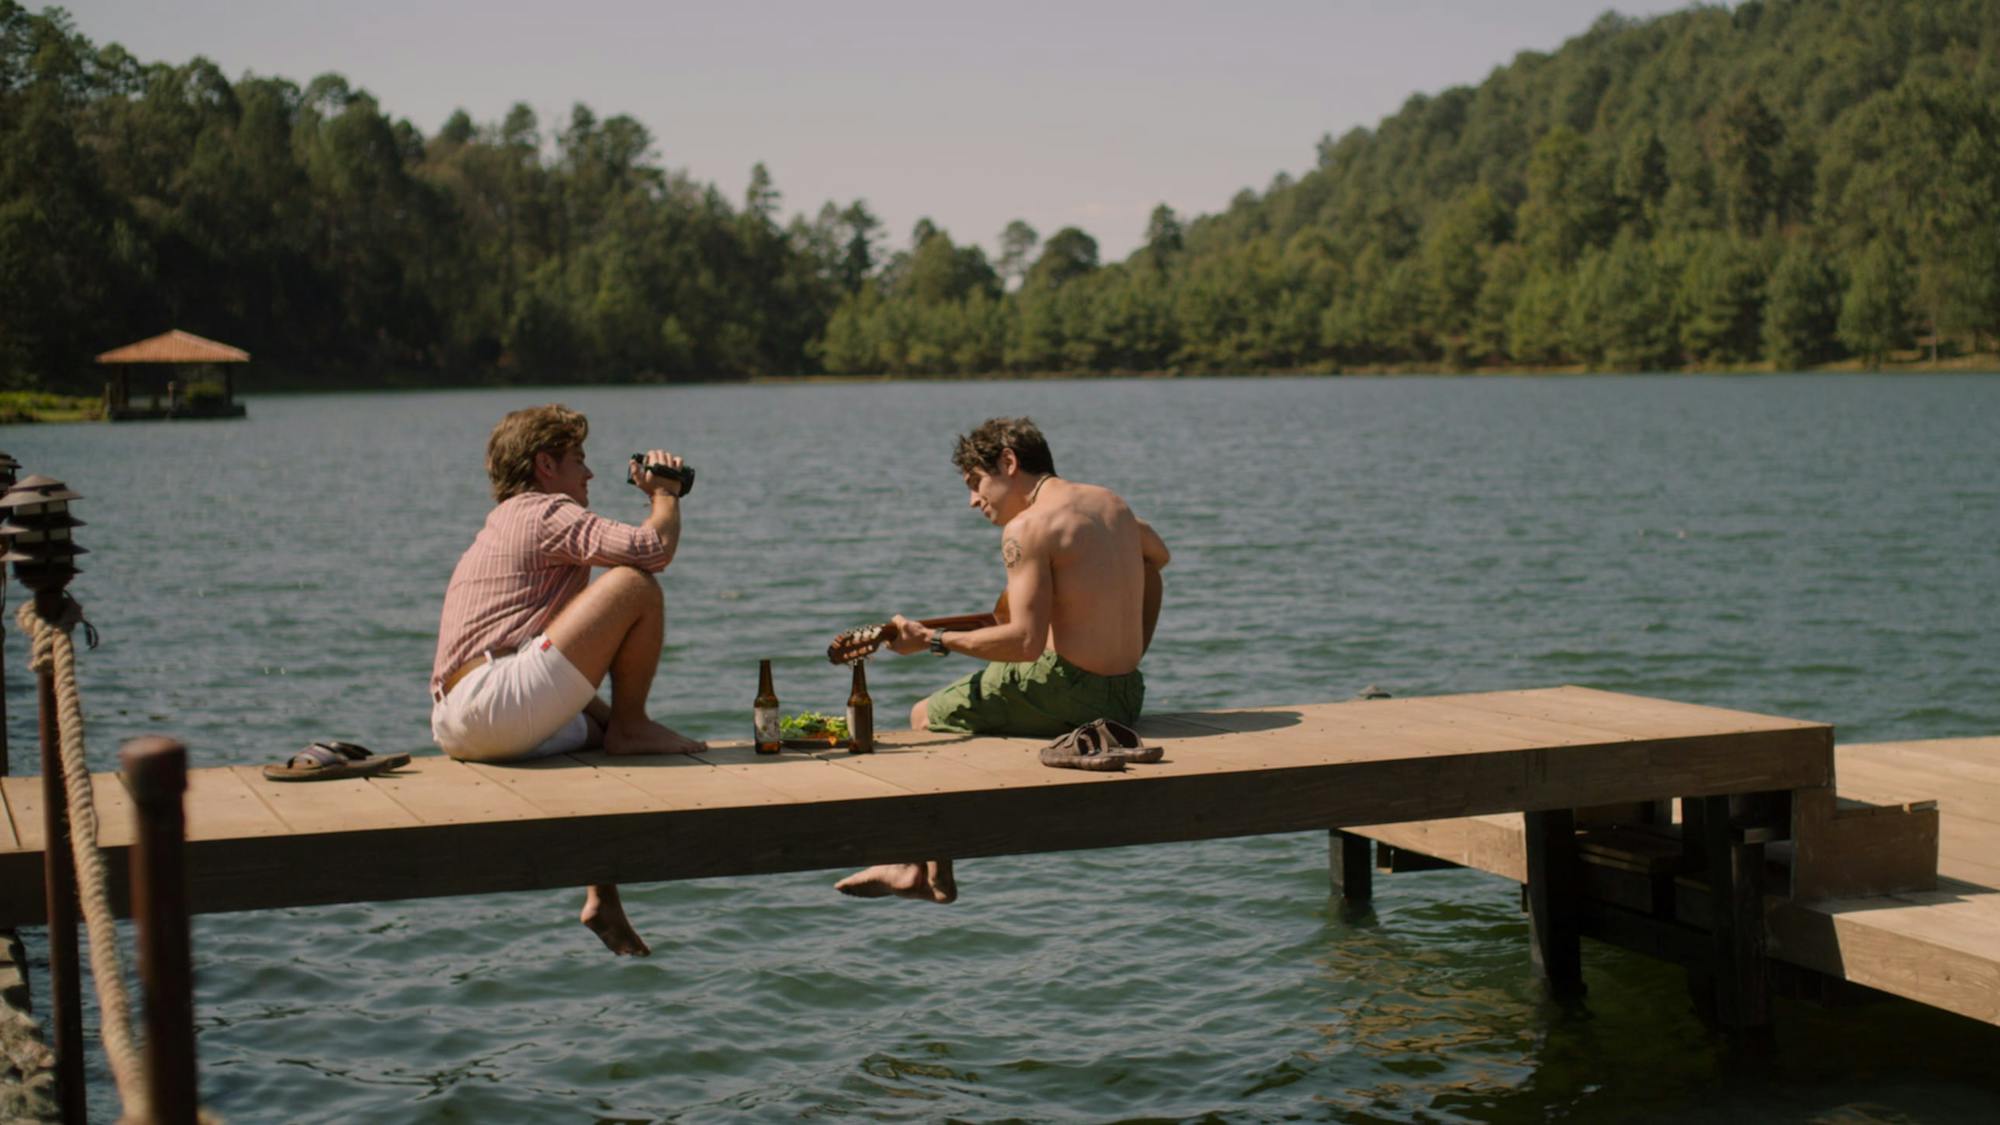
[[59, 879], [1351, 865], [1733, 853], [156, 771], [1555, 942]]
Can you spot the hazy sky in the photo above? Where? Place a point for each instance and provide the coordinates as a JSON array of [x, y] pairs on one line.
[[1084, 113]]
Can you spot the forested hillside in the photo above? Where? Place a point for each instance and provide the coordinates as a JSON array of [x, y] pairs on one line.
[[310, 227], [1790, 181]]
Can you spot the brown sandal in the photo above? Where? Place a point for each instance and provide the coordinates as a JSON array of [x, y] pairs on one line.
[[329, 758], [1102, 745]]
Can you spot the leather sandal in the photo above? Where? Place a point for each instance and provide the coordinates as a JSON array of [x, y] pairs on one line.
[[1100, 745], [328, 759]]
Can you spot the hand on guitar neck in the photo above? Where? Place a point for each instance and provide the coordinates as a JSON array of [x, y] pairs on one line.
[[858, 644]]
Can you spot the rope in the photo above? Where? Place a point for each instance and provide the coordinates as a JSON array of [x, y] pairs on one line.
[[54, 651]]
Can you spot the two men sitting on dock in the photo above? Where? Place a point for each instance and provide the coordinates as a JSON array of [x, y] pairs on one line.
[[1082, 597], [526, 637]]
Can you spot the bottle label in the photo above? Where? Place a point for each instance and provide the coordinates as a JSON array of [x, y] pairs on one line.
[[861, 727], [765, 720]]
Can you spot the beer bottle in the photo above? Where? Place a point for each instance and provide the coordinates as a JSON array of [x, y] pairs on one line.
[[764, 713], [860, 713]]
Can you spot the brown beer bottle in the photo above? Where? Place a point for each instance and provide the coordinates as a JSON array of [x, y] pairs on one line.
[[860, 713], [764, 713]]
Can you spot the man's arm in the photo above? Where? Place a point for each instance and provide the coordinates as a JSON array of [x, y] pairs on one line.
[[1030, 604], [1152, 548], [574, 534], [664, 494], [1153, 554]]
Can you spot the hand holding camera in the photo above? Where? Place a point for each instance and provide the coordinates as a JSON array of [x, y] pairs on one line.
[[681, 473]]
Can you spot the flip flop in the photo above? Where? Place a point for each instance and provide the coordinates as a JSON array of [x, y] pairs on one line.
[[1101, 745], [328, 759]]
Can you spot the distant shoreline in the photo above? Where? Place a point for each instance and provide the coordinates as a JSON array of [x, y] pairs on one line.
[[1978, 363], [35, 407]]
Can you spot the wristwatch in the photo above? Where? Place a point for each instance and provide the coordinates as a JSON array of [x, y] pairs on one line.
[[937, 642]]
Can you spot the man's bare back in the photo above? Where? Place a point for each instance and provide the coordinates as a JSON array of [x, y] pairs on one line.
[[1082, 574], [1093, 550]]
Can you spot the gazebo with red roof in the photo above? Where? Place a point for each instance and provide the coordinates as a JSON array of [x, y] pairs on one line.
[[182, 400]]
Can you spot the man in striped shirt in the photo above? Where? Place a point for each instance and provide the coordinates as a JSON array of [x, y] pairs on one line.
[[527, 637]]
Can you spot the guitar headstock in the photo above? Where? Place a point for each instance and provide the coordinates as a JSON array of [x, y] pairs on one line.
[[856, 645]]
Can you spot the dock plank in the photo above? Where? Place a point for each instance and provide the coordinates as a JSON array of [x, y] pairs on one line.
[[8, 838], [1956, 916], [438, 791], [1442, 729], [1925, 948], [1496, 843], [117, 819], [114, 810], [952, 770], [24, 798], [681, 782], [1966, 762], [219, 806], [804, 779], [325, 806], [566, 785], [1629, 715]]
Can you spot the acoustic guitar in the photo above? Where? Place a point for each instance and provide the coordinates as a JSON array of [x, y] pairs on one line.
[[857, 645]]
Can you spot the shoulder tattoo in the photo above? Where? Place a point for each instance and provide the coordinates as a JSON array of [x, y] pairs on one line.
[[1010, 552]]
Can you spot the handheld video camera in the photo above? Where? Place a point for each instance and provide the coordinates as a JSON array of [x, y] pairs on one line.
[[684, 474]]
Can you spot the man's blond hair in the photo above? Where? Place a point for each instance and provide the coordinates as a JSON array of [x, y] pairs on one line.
[[510, 451]]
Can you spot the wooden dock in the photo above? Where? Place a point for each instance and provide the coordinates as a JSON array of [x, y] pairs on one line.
[[1764, 871], [447, 828], [1938, 946]]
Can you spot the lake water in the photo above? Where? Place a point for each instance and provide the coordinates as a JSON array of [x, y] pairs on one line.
[[1823, 547]]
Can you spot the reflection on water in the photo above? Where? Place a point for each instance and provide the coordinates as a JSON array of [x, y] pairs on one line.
[[1821, 547]]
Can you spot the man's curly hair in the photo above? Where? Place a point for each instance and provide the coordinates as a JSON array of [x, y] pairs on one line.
[[510, 451], [981, 448]]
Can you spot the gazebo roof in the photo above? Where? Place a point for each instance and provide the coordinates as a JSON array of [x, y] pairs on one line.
[[175, 347]]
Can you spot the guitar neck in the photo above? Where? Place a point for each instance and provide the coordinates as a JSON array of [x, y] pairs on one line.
[[959, 623]]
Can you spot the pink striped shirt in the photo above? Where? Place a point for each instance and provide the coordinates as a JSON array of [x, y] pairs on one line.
[[531, 558]]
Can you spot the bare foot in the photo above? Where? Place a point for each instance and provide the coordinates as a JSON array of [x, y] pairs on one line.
[[944, 886], [648, 737], [904, 880], [604, 914]]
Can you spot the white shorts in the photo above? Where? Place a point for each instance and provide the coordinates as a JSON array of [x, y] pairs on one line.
[[514, 708]]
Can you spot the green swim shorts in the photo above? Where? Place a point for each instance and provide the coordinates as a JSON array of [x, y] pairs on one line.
[[1038, 699]]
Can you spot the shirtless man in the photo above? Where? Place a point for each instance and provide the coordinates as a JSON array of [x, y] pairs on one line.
[[1083, 594], [527, 637]]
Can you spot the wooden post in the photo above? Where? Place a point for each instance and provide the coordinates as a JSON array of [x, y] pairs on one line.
[[59, 884], [1351, 865], [1556, 949], [1735, 867], [3, 681], [156, 770]]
